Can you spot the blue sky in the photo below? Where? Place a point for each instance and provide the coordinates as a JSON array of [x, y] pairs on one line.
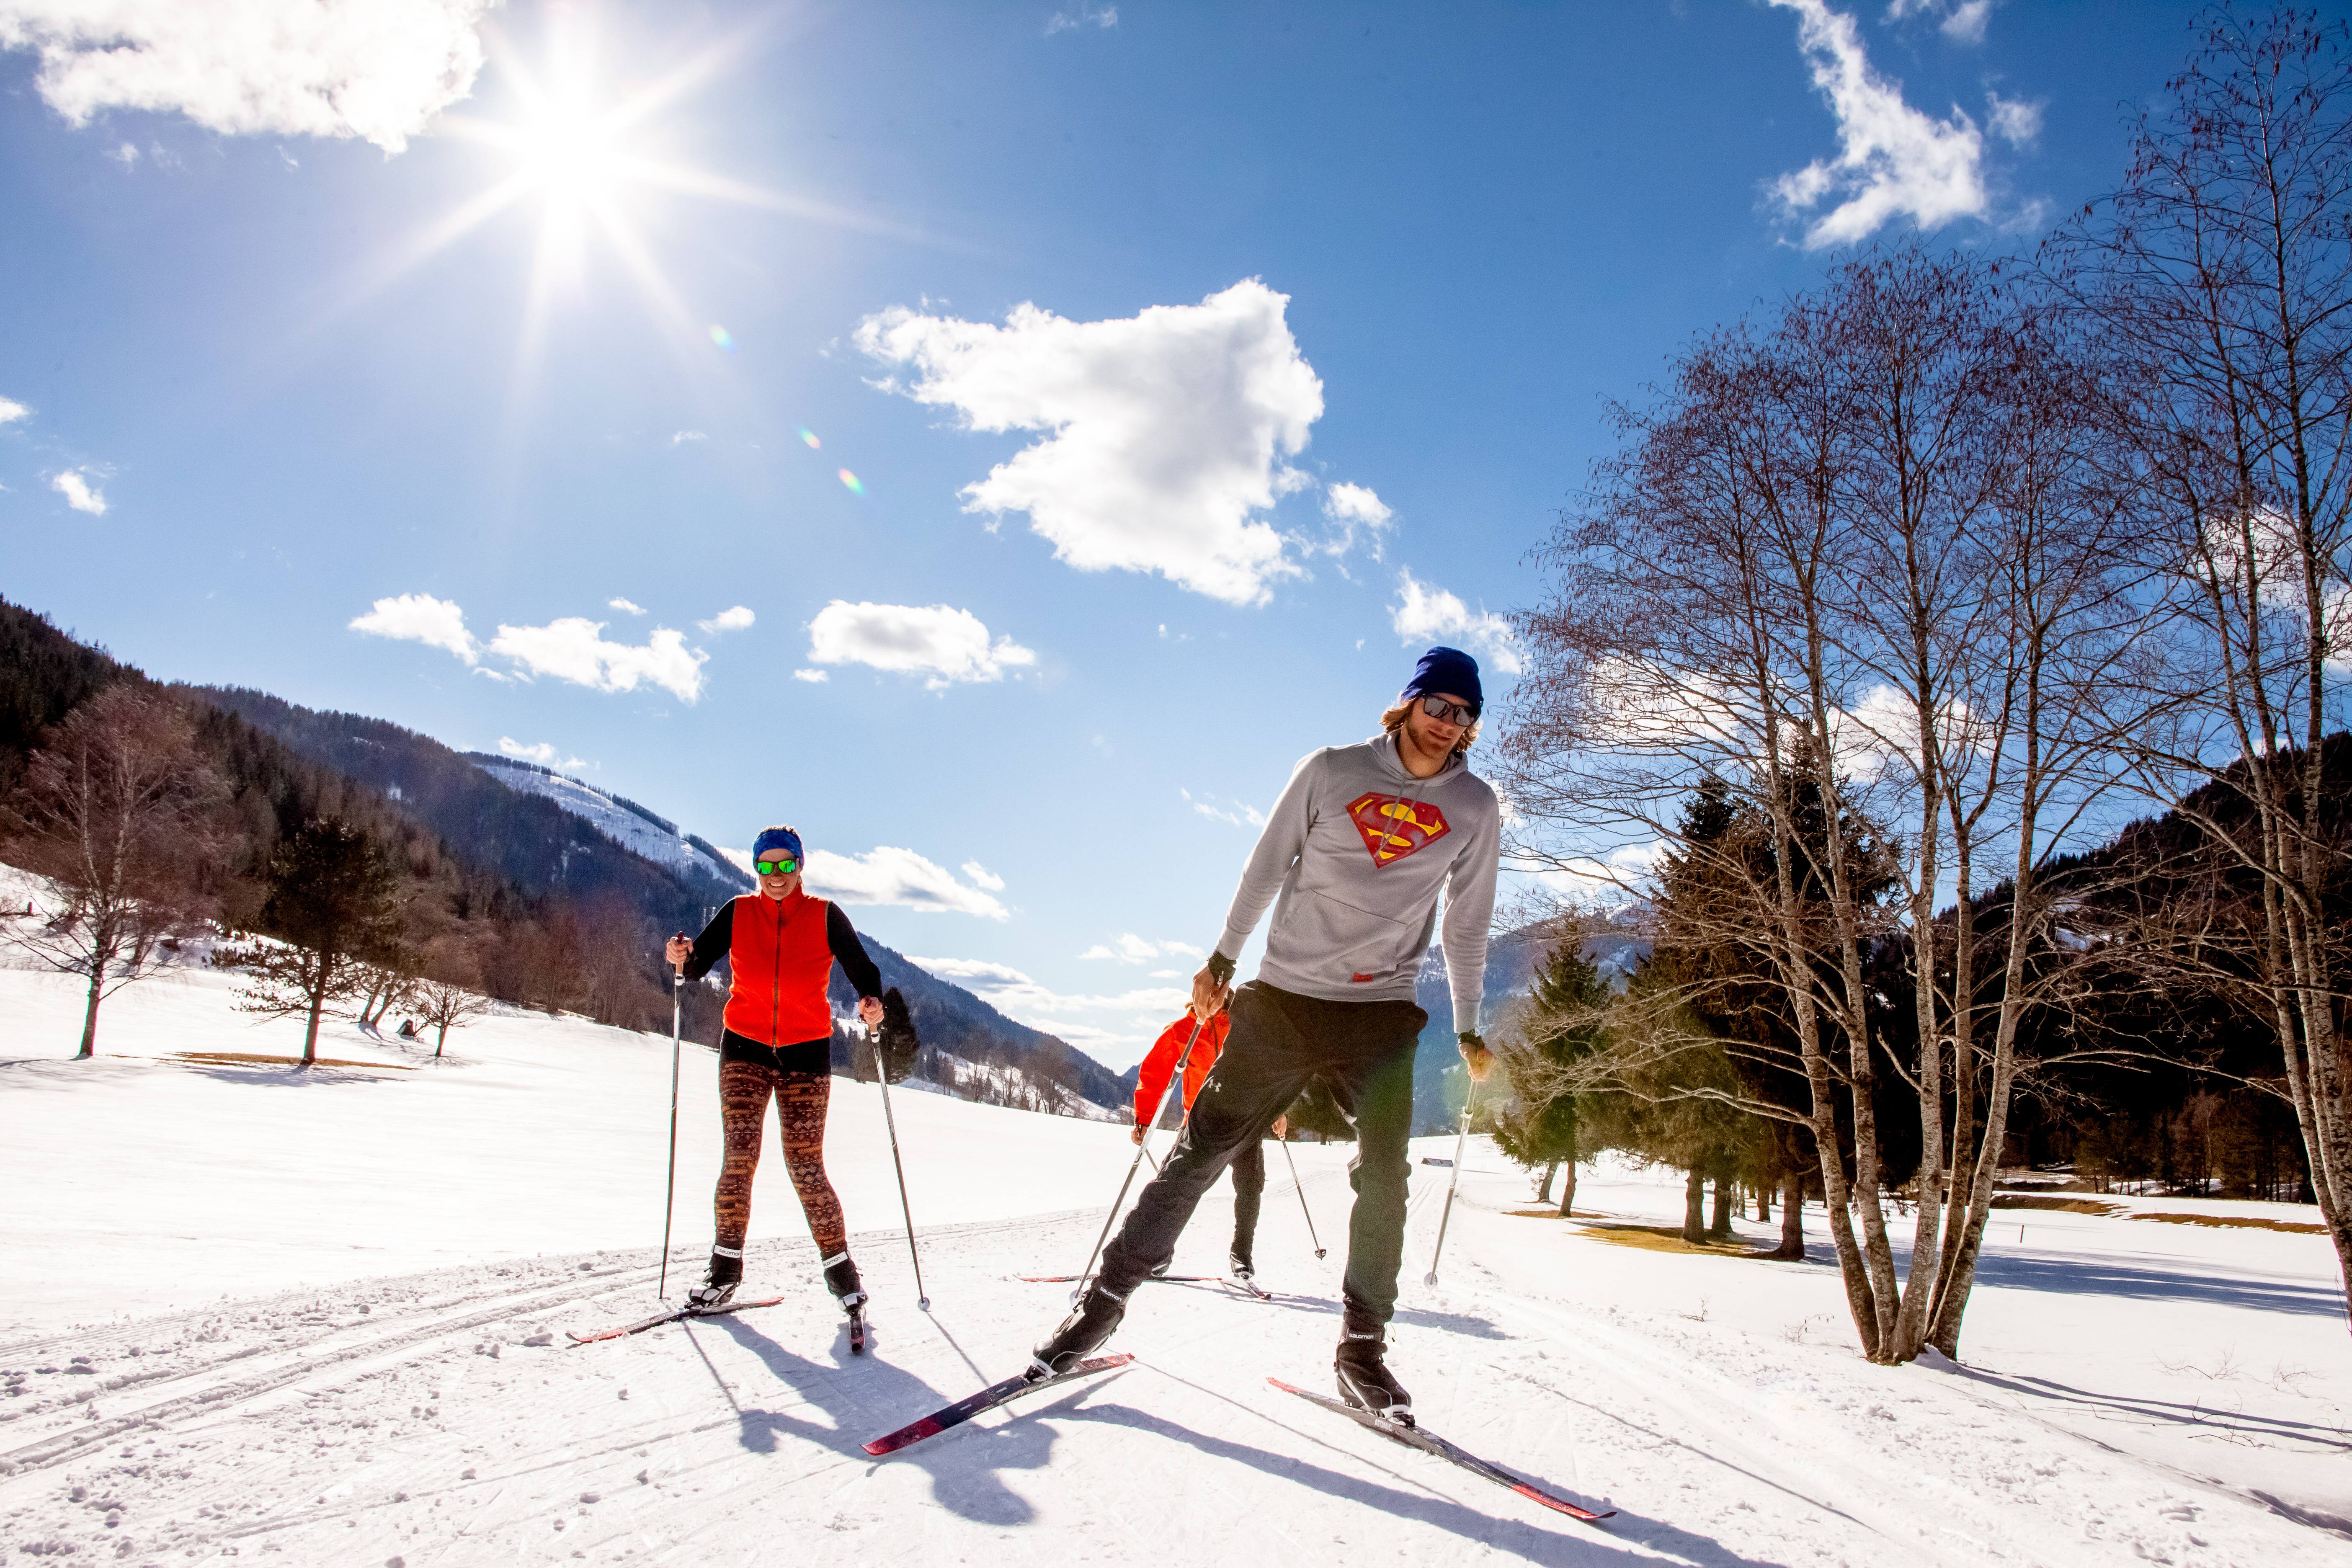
[[496, 372]]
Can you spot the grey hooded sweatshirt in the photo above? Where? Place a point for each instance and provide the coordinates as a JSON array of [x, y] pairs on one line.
[[1359, 850]]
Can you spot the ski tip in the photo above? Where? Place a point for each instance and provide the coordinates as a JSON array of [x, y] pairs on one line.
[[1558, 1506], [893, 1442]]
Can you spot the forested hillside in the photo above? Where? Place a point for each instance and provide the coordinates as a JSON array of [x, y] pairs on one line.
[[491, 887]]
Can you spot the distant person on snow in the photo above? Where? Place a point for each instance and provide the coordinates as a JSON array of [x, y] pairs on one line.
[[1358, 848], [782, 945], [1249, 1165]]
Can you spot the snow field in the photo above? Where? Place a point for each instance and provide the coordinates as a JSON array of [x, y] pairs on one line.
[[404, 1250]]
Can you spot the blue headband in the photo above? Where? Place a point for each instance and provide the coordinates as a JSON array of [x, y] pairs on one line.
[[782, 839]]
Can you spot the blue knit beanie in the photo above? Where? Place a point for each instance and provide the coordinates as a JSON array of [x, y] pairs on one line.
[[1443, 670], [782, 839]]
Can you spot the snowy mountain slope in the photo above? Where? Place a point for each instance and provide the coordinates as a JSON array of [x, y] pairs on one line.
[[626, 823], [2135, 1388]]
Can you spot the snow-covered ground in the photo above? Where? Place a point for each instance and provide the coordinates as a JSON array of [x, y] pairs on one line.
[[246, 1312], [614, 820]]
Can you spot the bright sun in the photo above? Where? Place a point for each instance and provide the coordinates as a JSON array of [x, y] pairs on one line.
[[567, 152]]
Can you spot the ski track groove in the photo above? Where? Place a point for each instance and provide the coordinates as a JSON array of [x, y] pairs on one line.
[[313, 1326]]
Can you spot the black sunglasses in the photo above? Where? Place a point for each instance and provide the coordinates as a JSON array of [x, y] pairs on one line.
[[1446, 713]]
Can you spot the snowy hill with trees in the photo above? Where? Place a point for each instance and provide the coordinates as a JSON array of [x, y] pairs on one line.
[[622, 820], [323, 1315]]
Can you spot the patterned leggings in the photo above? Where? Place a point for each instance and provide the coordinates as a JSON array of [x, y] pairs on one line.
[[801, 1098]]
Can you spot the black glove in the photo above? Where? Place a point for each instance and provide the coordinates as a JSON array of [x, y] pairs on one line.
[[895, 1048], [1471, 1042], [1220, 969]]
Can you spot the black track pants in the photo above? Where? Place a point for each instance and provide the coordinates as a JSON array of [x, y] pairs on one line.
[[1249, 1191], [1363, 1052]]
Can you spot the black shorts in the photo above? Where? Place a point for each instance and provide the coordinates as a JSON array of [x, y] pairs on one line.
[[804, 1056]]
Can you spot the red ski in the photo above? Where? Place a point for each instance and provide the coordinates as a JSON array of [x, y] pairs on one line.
[[1429, 1443], [672, 1316], [988, 1398]]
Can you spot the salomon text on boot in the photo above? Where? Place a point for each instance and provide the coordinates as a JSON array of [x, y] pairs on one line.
[[1096, 1320], [1365, 1381], [718, 1281]]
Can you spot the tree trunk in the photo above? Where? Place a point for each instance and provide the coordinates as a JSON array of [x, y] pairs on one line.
[[1763, 1203], [1721, 1229], [1568, 1190], [90, 1015], [317, 1005], [1543, 1192], [1792, 1217], [1695, 1206]]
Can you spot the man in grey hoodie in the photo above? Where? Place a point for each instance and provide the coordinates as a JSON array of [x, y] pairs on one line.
[[1354, 858]]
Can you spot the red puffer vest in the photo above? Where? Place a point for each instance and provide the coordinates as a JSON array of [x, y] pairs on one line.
[[782, 964]]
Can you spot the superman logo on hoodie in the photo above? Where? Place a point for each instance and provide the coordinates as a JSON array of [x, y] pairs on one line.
[[1393, 827]]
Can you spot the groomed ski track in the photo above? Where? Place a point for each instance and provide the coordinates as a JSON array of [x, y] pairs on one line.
[[1714, 1402], [301, 1425]]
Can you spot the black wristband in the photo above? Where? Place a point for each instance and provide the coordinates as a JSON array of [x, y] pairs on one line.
[[1221, 968]]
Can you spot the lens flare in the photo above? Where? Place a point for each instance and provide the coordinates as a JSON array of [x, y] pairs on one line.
[[723, 337], [809, 436], [857, 486]]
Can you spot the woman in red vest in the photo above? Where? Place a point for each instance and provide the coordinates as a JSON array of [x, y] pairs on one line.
[[780, 945]]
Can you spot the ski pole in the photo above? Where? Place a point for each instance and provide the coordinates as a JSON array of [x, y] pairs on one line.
[[922, 1298], [1460, 1142], [1085, 1274], [1302, 1196], [669, 1194]]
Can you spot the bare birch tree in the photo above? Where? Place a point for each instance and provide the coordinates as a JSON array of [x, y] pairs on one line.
[[2220, 276], [112, 818], [1857, 568]]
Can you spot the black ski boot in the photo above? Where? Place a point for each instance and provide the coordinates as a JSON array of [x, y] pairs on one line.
[[1365, 1381], [1160, 1269], [1238, 1265], [719, 1282], [1096, 1320], [841, 1279]]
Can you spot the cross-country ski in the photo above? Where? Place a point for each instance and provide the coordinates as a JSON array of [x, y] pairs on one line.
[[1412, 1434], [987, 1399], [673, 1315]]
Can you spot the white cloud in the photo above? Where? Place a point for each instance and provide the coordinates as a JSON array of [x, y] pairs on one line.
[[545, 753], [421, 618], [813, 676], [79, 493], [941, 642], [1165, 431], [1080, 15], [127, 155], [2015, 120], [681, 438], [10, 409], [624, 606], [1017, 995], [1892, 159], [1231, 811], [1130, 948], [733, 620], [1357, 510], [573, 649], [889, 875], [1426, 614], [1966, 25], [377, 69], [984, 877]]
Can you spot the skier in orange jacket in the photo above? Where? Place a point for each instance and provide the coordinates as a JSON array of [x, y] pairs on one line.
[[1249, 1165]]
